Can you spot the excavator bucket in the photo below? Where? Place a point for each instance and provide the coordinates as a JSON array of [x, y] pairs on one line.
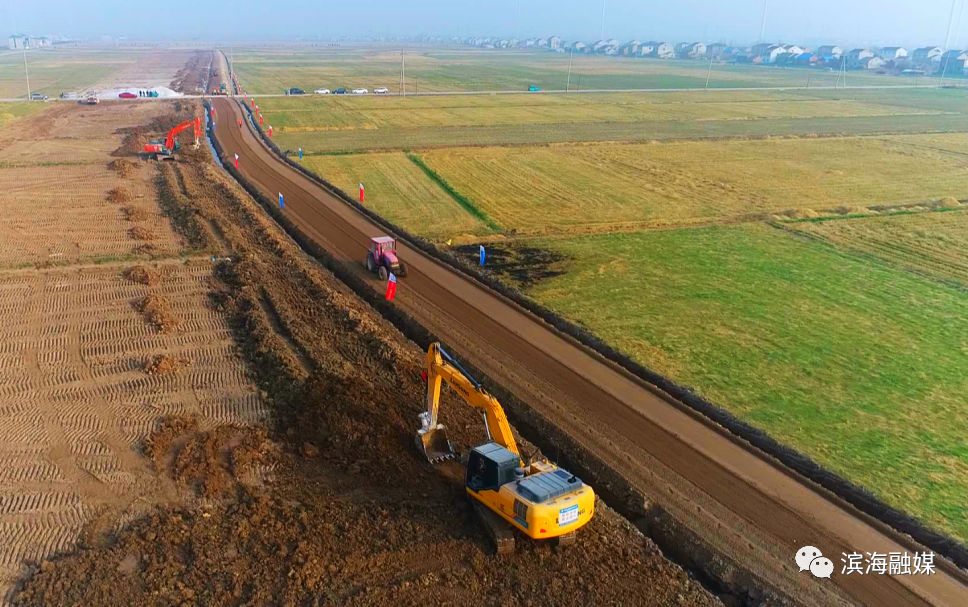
[[434, 444]]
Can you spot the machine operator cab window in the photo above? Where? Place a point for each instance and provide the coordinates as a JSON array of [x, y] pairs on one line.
[[490, 466]]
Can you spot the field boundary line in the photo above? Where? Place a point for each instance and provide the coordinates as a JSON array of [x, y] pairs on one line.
[[465, 203], [904, 528]]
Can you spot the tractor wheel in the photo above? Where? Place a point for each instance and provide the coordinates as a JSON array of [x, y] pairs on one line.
[[383, 274], [402, 272], [370, 263]]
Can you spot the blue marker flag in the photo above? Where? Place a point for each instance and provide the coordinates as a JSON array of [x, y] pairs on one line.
[[482, 255], [300, 153], [281, 203]]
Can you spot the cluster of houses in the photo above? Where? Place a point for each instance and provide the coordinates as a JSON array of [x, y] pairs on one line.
[[929, 59], [20, 41]]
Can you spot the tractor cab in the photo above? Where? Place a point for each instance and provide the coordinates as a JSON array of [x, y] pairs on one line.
[[382, 257]]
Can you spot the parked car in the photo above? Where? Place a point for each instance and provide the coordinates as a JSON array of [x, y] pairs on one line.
[[340, 91], [90, 100], [360, 91], [295, 91], [381, 91], [38, 97], [321, 91], [127, 95]]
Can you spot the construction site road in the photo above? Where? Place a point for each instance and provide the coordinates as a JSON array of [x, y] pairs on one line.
[[744, 507]]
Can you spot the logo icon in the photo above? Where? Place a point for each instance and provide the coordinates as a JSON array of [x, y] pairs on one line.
[[810, 559]]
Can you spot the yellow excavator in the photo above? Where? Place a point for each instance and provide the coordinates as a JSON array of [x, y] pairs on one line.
[[539, 499]]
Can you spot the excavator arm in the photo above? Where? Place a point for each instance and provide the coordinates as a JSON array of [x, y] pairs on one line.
[[432, 437], [195, 122]]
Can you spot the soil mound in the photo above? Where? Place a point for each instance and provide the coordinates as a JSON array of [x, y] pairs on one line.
[[143, 275], [949, 202], [212, 462], [122, 167], [135, 214], [801, 214], [141, 233], [163, 364], [118, 195], [157, 310]]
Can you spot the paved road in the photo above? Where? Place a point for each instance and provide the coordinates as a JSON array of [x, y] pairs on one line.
[[743, 506]]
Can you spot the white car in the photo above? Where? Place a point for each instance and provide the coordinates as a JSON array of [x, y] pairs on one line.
[[322, 91], [381, 91], [360, 91]]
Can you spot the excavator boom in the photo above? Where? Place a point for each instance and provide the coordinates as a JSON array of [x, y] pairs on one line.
[[167, 147], [432, 436]]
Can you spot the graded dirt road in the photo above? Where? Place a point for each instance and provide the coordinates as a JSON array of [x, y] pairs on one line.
[[744, 508]]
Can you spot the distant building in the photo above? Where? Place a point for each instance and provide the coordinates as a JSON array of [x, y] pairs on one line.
[[647, 49], [953, 62], [679, 46], [716, 50], [692, 50], [630, 49], [579, 47], [554, 42], [17, 42], [542, 42], [856, 57], [664, 50], [873, 63], [926, 54], [829, 51], [891, 53]]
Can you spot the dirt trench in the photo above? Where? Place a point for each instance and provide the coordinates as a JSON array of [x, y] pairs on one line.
[[350, 513]]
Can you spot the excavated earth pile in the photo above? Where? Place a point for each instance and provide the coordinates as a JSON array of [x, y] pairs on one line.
[[344, 509]]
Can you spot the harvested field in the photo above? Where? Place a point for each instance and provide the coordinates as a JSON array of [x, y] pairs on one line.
[[622, 186], [75, 401], [58, 212], [355, 514], [401, 191]]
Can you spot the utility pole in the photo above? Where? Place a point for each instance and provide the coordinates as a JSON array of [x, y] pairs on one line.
[[603, 21], [26, 74], [570, 58], [708, 70], [763, 22]]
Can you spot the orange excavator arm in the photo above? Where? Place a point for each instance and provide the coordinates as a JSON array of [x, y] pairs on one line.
[[195, 122]]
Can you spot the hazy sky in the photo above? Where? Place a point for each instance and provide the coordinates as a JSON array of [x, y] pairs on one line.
[[903, 22]]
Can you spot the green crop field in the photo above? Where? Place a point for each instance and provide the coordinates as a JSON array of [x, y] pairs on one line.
[[274, 69], [784, 253], [860, 365], [55, 70]]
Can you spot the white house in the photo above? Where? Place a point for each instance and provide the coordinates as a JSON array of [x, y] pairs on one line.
[[647, 49], [856, 56], [17, 42], [926, 54], [693, 50], [554, 42], [829, 51]]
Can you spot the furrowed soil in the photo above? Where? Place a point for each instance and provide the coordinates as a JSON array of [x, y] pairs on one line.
[[350, 513], [76, 402]]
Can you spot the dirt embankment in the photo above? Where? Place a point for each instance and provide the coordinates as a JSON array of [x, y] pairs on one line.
[[354, 515], [193, 78]]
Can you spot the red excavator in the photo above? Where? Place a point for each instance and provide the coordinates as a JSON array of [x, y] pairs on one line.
[[165, 150]]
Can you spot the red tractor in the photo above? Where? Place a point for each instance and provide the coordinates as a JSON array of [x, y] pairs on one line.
[[382, 257]]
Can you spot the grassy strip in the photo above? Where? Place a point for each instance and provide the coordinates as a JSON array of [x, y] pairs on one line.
[[459, 198]]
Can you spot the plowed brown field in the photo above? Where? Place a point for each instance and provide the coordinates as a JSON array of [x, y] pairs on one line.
[[75, 401]]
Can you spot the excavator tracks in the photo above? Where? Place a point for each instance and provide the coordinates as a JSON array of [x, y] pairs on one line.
[[500, 532]]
